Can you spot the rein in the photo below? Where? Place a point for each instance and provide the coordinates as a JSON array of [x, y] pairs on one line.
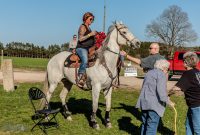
[[103, 62], [117, 53]]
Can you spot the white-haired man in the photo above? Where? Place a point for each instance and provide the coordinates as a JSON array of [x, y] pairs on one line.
[[153, 97], [189, 83]]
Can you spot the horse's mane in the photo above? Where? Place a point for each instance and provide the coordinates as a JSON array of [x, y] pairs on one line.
[[110, 29], [105, 42]]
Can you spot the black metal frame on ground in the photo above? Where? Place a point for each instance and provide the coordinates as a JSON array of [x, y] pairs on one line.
[[43, 118]]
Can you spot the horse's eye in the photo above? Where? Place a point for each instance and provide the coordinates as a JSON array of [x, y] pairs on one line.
[[124, 32]]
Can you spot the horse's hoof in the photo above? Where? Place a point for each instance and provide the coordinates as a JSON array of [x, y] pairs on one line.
[[69, 118], [66, 114], [108, 125], [96, 126]]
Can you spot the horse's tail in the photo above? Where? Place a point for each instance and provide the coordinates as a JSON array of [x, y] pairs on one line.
[[45, 90]]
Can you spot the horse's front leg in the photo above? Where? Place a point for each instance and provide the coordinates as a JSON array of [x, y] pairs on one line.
[[95, 99], [107, 94]]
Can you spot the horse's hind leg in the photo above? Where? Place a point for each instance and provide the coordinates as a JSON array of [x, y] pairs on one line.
[[107, 94], [67, 87], [51, 90]]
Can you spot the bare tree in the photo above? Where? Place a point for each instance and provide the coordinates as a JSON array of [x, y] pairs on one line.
[[172, 27]]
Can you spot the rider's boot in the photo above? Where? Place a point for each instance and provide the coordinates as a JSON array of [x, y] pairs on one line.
[[81, 79]]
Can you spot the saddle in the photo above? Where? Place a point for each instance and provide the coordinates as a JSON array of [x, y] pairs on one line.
[[73, 60]]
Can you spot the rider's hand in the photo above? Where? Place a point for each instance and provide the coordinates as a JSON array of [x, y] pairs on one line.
[[93, 33]]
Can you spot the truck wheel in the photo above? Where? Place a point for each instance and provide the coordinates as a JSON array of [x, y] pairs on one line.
[[169, 77]]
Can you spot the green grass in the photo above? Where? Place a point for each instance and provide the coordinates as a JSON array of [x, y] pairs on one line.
[[15, 112], [29, 63]]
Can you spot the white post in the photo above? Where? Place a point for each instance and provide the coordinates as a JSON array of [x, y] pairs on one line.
[[8, 77], [1, 58]]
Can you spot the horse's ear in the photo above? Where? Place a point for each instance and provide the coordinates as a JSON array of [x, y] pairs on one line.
[[121, 22], [117, 23]]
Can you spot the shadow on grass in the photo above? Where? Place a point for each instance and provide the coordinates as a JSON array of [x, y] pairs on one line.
[[125, 122], [131, 109], [80, 106], [164, 130], [140, 77], [126, 125], [84, 106]]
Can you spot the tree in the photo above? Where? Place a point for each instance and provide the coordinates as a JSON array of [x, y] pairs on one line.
[[65, 46], [1, 46], [172, 27]]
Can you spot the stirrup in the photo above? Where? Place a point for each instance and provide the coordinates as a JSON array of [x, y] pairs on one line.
[[81, 80], [80, 83]]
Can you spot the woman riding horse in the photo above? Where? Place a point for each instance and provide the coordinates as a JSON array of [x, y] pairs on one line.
[[86, 40], [99, 77]]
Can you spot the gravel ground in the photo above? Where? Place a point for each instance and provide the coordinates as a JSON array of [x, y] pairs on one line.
[[39, 76]]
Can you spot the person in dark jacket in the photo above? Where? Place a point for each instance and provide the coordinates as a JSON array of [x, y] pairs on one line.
[[86, 39], [189, 83]]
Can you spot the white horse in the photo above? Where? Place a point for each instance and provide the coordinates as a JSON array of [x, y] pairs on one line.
[[100, 76]]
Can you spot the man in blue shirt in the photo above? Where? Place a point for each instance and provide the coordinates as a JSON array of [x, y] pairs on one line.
[[148, 62]]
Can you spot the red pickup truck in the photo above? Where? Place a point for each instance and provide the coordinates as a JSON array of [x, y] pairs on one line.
[[176, 64]]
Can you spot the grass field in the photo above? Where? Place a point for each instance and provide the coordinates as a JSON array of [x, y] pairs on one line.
[[16, 110], [29, 63], [40, 64]]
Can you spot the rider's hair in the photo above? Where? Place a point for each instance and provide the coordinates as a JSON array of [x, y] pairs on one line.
[[87, 15]]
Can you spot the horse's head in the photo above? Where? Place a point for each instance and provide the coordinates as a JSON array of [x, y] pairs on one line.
[[125, 37]]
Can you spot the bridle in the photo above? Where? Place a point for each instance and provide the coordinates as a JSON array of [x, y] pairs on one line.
[[122, 34], [119, 32]]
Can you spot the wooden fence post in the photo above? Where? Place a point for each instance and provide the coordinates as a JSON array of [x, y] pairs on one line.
[[8, 77]]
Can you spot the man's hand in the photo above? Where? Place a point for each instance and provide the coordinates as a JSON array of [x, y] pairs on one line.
[[123, 53]]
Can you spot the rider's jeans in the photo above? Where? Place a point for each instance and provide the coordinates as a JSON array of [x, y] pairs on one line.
[[83, 54], [193, 121]]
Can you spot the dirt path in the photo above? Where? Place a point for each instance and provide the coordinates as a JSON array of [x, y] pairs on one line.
[[136, 82], [39, 76], [27, 76]]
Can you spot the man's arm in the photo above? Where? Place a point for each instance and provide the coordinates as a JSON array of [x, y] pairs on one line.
[[133, 59]]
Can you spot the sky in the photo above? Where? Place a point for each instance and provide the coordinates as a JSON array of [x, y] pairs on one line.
[[47, 22]]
